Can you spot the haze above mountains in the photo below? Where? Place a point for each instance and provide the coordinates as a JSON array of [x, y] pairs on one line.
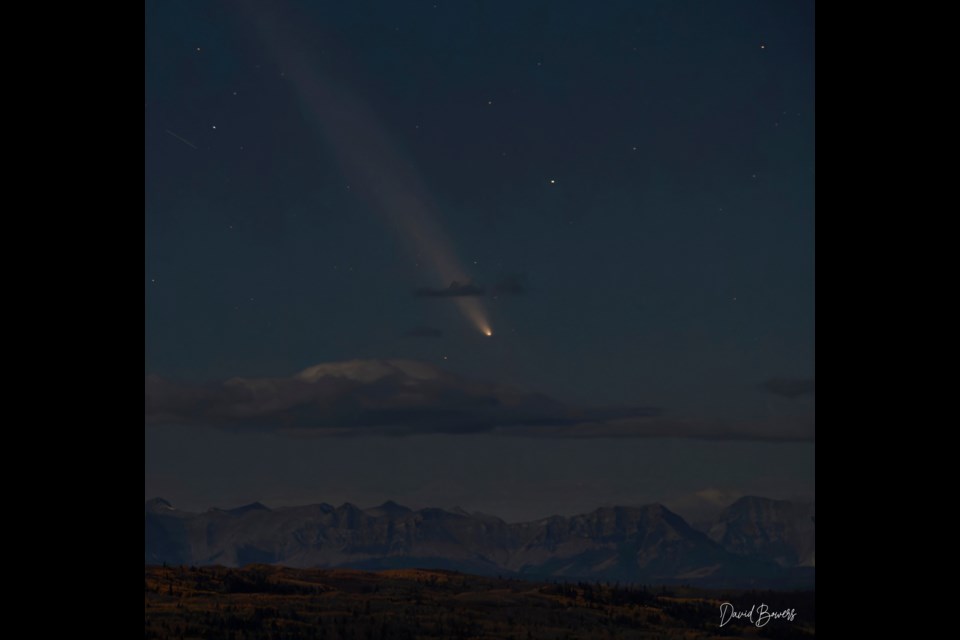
[[755, 542]]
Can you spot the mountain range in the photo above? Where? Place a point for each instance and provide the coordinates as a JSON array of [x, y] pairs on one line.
[[755, 542]]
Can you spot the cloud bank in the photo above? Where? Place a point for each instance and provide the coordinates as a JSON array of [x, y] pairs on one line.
[[407, 397]]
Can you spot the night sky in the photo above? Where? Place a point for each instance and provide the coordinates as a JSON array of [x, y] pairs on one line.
[[622, 193]]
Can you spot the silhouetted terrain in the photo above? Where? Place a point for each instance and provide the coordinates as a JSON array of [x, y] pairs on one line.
[[756, 543], [264, 602]]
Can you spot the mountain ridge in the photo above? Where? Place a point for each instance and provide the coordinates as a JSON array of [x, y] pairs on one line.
[[755, 542]]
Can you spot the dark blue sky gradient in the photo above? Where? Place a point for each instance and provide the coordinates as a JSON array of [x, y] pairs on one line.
[[669, 263]]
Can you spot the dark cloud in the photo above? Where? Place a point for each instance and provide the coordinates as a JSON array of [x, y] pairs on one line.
[[424, 332], [455, 290], [794, 429], [366, 396], [789, 387], [404, 397], [511, 285]]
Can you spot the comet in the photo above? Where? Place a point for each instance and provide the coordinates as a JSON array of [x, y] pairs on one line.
[[369, 159]]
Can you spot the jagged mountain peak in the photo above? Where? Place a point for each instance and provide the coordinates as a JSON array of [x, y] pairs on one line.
[[158, 504], [389, 509], [647, 543], [778, 529], [247, 508]]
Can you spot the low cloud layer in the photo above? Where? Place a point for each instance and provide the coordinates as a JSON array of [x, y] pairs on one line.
[[405, 397], [789, 387]]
